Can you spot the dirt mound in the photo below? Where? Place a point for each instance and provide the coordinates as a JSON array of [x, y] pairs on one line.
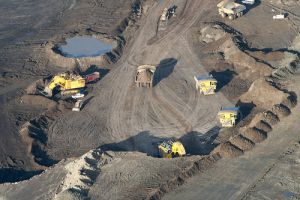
[[247, 66], [288, 66], [70, 194], [263, 95], [32, 89], [270, 117], [82, 174], [281, 110], [254, 134], [227, 150], [264, 126], [241, 142], [211, 33]]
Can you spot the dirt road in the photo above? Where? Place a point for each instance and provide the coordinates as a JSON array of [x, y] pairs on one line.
[[119, 110]]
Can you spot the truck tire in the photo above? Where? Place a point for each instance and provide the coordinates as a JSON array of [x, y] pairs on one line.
[[223, 15], [231, 17]]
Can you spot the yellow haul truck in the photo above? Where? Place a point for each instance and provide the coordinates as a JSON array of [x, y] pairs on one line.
[[64, 83], [171, 149], [228, 116], [144, 76], [206, 84], [231, 9]]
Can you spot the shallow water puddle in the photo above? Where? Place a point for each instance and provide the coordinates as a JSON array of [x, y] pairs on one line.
[[84, 46]]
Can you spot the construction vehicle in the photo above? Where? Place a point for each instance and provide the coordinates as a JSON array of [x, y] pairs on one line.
[[231, 9], [144, 76], [206, 84], [171, 149], [168, 13], [228, 116], [65, 84]]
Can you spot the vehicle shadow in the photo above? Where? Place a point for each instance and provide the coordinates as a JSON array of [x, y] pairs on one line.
[[223, 77], [163, 70], [248, 6], [245, 109], [195, 143]]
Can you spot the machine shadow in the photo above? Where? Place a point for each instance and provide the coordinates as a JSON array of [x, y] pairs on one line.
[[195, 143], [223, 77], [248, 6], [163, 70]]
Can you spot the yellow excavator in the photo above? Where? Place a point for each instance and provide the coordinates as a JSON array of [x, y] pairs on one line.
[[65, 83], [171, 149]]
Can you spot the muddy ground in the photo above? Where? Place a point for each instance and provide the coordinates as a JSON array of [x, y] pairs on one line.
[[255, 60]]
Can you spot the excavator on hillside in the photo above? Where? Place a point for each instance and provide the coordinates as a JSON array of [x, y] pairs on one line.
[[171, 149], [65, 84]]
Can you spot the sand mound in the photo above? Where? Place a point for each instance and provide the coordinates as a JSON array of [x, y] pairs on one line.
[[211, 33], [263, 95], [227, 150], [254, 134], [241, 142], [82, 174], [281, 110]]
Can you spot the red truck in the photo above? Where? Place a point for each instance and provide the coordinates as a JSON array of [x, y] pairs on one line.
[[92, 77]]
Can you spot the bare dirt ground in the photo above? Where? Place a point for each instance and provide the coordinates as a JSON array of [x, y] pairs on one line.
[[251, 57]]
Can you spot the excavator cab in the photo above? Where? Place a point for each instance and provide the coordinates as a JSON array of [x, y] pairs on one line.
[[171, 149], [228, 116], [206, 84]]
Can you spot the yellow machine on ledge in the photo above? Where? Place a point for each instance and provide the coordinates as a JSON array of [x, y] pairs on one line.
[[228, 116], [171, 149], [206, 84], [231, 9], [64, 83]]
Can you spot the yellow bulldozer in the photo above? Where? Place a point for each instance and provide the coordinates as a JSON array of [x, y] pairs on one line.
[[65, 84], [206, 84], [171, 149], [228, 116], [231, 9]]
